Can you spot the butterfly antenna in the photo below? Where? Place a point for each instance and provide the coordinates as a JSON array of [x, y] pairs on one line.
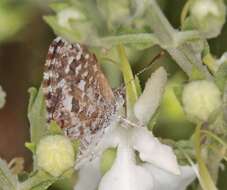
[[123, 86], [158, 56]]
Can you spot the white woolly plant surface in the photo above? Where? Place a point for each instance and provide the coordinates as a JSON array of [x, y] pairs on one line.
[[149, 101], [126, 173]]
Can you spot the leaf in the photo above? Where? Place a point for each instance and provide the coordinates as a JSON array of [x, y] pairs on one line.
[[39, 181], [185, 54], [73, 35], [185, 11], [196, 74], [211, 63], [138, 87], [58, 6], [225, 104], [54, 128], [65, 184], [139, 41], [7, 180], [33, 93], [131, 90], [37, 115], [31, 147], [178, 91], [107, 159], [221, 76]]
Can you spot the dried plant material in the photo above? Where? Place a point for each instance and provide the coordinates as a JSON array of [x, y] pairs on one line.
[[2, 97]]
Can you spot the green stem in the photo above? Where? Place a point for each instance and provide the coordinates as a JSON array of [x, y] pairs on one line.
[[222, 154], [211, 63], [39, 181], [215, 137], [205, 179], [225, 104], [170, 39], [160, 25], [129, 39], [184, 36], [185, 10], [213, 158], [131, 91]]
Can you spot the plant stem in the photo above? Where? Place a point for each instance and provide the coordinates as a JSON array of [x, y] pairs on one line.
[[39, 181], [131, 92], [170, 39], [130, 38], [205, 179]]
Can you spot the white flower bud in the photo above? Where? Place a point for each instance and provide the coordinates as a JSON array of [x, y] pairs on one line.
[[55, 154], [209, 16], [200, 99]]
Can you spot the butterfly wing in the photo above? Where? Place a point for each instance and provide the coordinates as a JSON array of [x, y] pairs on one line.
[[77, 94]]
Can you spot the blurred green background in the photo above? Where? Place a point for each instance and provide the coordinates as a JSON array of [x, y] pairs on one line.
[[24, 41]]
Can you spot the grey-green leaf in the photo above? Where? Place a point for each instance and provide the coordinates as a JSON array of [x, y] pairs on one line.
[[140, 41], [7, 180], [221, 76], [37, 115], [61, 31], [39, 181]]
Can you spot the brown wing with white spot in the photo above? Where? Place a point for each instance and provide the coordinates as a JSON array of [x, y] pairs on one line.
[[76, 91]]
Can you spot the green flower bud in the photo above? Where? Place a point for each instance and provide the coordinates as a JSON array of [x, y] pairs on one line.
[[55, 154], [200, 99], [77, 24], [69, 14], [208, 16], [116, 11]]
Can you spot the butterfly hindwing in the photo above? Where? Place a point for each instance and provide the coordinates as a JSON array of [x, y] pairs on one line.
[[77, 94]]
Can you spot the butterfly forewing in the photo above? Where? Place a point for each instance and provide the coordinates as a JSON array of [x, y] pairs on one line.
[[77, 94]]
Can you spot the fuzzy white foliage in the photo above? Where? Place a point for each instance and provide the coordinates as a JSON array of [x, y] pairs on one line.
[[89, 176], [150, 99], [152, 151], [125, 174], [160, 167], [157, 173], [164, 180]]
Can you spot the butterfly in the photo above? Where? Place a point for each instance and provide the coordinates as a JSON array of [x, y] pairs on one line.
[[77, 94]]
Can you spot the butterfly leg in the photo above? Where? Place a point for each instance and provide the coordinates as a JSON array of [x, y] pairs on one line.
[[127, 123]]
